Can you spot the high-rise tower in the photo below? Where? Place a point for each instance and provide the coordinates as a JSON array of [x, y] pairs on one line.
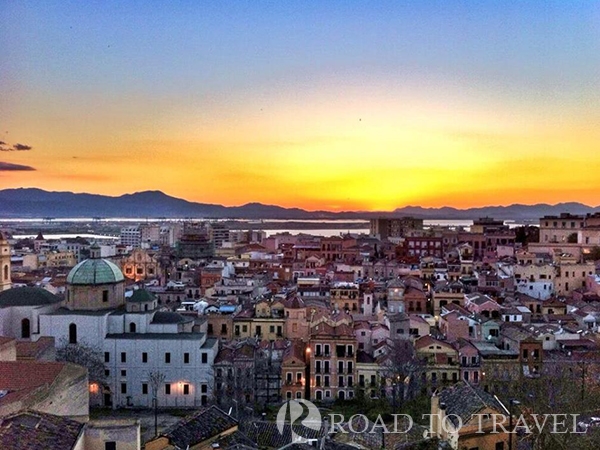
[[5, 282]]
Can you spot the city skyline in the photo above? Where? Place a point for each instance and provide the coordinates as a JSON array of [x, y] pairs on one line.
[[336, 107]]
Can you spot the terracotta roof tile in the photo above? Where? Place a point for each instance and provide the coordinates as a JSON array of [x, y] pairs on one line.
[[38, 431]]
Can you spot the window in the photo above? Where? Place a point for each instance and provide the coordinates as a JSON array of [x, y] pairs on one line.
[[144, 357], [123, 373], [204, 358], [144, 388], [167, 389], [105, 296], [500, 445], [111, 445], [186, 358], [106, 357], [204, 388], [72, 334], [123, 388], [132, 327], [25, 329], [123, 357], [167, 358], [186, 389]]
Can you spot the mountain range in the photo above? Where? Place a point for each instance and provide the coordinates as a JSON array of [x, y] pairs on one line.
[[37, 203]]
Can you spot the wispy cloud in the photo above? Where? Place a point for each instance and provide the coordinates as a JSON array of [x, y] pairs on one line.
[[15, 148], [9, 167]]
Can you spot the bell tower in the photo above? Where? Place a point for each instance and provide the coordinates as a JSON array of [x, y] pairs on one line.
[[5, 282]]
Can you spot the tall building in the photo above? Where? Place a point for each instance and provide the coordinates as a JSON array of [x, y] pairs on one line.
[[387, 228], [5, 282], [131, 236], [558, 228], [195, 246], [332, 357], [218, 233]]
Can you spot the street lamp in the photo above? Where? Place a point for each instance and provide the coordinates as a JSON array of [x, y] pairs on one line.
[[511, 402]]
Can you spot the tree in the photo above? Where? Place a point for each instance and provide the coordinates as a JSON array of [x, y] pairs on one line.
[[526, 234], [593, 255], [401, 369], [84, 355], [562, 387], [156, 378]]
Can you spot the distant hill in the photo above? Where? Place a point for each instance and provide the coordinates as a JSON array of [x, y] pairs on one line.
[[32, 202]]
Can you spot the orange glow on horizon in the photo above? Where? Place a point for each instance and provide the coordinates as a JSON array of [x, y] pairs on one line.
[[320, 154]]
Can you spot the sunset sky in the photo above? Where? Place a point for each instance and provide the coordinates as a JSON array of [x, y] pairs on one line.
[[332, 105]]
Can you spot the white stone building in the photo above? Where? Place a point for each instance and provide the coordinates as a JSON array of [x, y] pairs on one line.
[[136, 339]]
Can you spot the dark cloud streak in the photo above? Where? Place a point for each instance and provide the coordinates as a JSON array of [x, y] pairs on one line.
[[9, 167], [15, 148], [22, 147]]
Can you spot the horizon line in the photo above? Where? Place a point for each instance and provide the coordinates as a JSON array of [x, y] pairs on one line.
[[302, 209]]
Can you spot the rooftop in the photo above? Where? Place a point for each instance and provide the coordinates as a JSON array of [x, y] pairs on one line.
[[205, 424], [31, 430], [463, 400], [27, 296]]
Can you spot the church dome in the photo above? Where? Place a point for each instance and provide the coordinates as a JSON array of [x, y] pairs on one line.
[[95, 271]]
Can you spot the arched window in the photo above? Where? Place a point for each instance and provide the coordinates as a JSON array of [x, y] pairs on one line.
[[5, 277], [72, 334], [132, 327], [25, 329]]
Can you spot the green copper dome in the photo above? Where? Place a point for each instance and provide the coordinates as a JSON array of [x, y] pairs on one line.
[[95, 271]]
